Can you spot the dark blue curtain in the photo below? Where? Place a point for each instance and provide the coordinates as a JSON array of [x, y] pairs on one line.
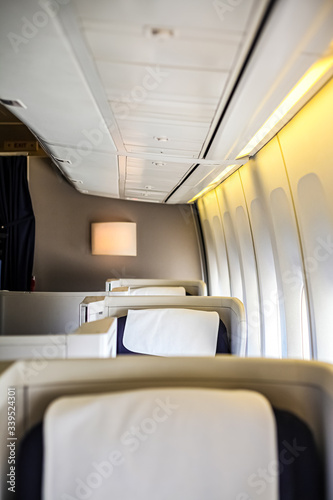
[[17, 224]]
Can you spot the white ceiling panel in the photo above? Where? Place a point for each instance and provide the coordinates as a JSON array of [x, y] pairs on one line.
[[150, 176], [230, 15], [281, 62], [107, 44], [162, 173], [143, 163], [137, 83], [107, 78], [136, 165], [151, 109], [161, 135], [146, 195], [160, 152], [41, 71], [150, 184], [90, 173]]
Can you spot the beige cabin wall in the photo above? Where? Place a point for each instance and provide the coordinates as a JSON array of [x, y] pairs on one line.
[[166, 238]]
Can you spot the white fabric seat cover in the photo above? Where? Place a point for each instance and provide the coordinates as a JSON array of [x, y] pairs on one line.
[[154, 444], [157, 290], [171, 332]]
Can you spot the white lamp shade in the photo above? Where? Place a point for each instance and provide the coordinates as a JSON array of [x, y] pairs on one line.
[[113, 238]]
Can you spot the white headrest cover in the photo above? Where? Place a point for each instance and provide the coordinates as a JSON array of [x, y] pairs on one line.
[[171, 332], [186, 444], [157, 290]]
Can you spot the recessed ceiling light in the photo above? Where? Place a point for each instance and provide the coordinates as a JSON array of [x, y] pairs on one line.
[[148, 187], [162, 138], [13, 102], [77, 181], [158, 163]]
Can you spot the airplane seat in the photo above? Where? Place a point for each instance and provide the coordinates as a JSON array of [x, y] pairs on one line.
[[299, 392], [130, 286], [197, 443], [230, 310]]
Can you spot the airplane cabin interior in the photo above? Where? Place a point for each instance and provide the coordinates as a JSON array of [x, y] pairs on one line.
[[166, 249]]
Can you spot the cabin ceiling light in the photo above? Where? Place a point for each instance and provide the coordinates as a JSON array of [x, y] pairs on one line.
[[158, 163], [113, 238], [311, 77], [215, 182]]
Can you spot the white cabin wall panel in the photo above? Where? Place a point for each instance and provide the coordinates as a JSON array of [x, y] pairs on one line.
[[220, 284], [293, 301], [279, 258], [236, 283], [307, 147], [242, 261], [269, 292], [221, 253], [210, 248]]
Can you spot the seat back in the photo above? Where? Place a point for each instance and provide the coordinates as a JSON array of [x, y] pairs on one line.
[[303, 388], [231, 311], [126, 444], [192, 287]]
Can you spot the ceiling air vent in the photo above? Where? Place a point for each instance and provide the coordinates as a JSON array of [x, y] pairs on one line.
[[13, 102], [158, 163]]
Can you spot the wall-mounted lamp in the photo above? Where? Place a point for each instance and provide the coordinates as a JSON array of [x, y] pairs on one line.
[[113, 238]]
